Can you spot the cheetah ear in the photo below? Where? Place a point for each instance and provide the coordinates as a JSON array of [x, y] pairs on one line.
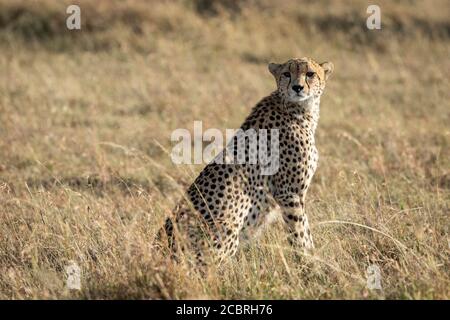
[[274, 69], [328, 68]]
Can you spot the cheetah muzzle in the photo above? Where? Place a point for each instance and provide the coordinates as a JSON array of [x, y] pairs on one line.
[[229, 202]]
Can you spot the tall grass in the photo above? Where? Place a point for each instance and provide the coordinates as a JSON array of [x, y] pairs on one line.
[[85, 124]]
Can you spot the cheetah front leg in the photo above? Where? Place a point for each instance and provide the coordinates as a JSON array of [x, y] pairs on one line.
[[293, 211]]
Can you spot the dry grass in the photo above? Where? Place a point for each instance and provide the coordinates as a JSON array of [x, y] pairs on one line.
[[85, 123]]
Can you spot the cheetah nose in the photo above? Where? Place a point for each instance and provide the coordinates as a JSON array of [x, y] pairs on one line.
[[297, 88]]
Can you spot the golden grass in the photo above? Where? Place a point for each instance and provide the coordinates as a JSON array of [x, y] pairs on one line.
[[85, 124]]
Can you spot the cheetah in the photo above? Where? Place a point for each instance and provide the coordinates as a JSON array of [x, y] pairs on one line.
[[228, 202]]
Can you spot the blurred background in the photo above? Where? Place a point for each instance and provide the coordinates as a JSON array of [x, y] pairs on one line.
[[86, 117]]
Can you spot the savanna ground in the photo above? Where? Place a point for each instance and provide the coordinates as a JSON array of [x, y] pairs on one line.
[[85, 124]]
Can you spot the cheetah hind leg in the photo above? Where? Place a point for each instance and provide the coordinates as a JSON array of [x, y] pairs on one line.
[[167, 242], [255, 230]]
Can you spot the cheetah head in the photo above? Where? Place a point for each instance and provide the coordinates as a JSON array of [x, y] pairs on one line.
[[302, 79]]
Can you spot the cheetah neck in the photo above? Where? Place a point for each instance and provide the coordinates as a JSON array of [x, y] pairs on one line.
[[305, 112]]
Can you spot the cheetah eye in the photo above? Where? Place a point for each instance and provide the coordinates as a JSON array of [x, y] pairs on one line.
[[310, 74], [287, 74]]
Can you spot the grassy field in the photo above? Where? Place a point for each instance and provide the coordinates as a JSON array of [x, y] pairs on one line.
[[85, 124]]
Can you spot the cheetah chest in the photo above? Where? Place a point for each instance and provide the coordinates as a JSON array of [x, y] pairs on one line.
[[298, 160]]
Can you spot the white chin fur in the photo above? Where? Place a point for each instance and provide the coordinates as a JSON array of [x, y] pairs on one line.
[[297, 98]]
